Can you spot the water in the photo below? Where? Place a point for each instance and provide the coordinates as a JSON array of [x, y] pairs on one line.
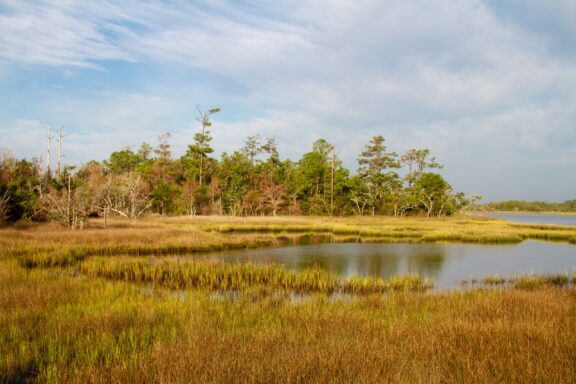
[[535, 218], [447, 264]]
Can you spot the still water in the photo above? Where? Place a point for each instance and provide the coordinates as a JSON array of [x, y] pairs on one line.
[[535, 218], [447, 264]]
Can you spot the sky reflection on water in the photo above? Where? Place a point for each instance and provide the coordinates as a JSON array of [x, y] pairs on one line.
[[447, 264]]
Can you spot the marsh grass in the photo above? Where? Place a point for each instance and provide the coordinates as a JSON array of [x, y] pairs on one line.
[[526, 282], [539, 281], [51, 245], [47, 259], [370, 285], [56, 328], [72, 311], [494, 280], [220, 276], [466, 230]]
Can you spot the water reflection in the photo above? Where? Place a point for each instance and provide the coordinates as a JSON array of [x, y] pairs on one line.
[[447, 264]]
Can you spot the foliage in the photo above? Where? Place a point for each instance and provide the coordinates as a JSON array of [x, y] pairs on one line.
[[252, 180], [530, 206]]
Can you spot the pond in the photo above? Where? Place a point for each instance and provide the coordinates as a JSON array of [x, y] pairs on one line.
[[446, 264], [536, 218]]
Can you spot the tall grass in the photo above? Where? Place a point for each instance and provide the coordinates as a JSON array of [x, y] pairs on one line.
[[57, 328], [467, 230], [526, 282], [50, 245], [220, 276], [151, 319]]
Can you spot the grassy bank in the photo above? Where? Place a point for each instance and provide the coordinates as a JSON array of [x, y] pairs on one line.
[[520, 212], [53, 245], [58, 326]]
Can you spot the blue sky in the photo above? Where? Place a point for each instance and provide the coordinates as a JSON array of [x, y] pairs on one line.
[[489, 86]]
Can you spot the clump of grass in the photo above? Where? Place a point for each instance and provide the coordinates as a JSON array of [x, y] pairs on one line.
[[414, 283], [472, 280], [213, 276], [220, 276], [51, 259], [364, 285], [538, 281], [494, 280]]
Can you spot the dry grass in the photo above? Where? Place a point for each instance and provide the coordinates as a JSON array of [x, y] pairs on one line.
[[60, 322], [56, 327], [51, 245]]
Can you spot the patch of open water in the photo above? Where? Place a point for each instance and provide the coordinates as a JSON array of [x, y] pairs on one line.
[[446, 264], [536, 218]]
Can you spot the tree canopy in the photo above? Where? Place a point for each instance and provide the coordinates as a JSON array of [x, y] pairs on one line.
[[252, 180]]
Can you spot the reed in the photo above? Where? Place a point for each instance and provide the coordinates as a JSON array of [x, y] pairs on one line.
[[494, 280], [59, 327], [180, 236], [525, 282], [46, 259], [72, 310], [539, 281], [219, 276]]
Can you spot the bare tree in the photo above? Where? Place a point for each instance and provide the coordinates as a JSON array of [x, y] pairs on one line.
[[428, 200], [48, 149], [60, 137], [128, 197], [272, 195], [69, 206]]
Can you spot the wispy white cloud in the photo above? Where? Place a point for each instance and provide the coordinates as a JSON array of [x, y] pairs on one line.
[[463, 77], [41, 33]]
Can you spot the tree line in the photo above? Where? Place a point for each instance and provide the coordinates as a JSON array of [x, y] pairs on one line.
[[252, 180], [530, 206]]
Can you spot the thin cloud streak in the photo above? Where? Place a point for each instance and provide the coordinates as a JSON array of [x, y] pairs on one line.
[[460, 77]]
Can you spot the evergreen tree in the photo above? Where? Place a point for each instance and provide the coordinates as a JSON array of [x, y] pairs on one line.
[[201, 147], [376, 169]]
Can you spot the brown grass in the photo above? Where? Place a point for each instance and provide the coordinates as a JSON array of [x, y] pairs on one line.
[[56, 327], [59, 324]]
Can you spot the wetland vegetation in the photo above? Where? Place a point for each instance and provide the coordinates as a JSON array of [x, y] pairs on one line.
[[141, 302], [86, 296]]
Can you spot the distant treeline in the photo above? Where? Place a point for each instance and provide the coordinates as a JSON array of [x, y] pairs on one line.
[[253, 180], [530, 206]]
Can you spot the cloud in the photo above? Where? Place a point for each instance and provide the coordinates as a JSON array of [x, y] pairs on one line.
[[477, 82], [39, 33], [25, 138], [94, 128]]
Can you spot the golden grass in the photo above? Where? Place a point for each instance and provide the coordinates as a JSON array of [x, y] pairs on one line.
[[220, 276], [453, 229], [52, 245], [59, 327], [61, 322]]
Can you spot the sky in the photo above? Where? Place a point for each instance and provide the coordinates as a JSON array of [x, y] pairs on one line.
[[489, 86]]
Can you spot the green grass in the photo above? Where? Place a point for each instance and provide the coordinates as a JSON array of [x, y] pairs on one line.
[[220, 276]]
